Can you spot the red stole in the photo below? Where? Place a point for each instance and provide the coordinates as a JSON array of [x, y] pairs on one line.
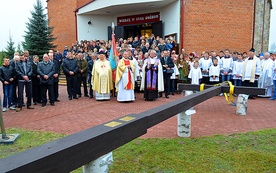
[[128, 87]]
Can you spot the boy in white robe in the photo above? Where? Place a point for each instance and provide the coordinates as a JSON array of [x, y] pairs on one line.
[[205, 64], [195, 74], [237, 70], [214, 72], [174, 76]]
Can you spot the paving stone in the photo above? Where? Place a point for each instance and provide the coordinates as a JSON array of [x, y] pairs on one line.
[[213, 116]]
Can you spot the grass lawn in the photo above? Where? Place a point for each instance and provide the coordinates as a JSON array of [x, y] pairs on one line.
[[248, 152]]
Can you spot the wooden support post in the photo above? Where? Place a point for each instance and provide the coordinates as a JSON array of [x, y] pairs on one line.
[[242, 104], [243, 92], [99, 165], [184, 120]]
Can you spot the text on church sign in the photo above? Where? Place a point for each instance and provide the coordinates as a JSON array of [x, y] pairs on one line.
[[138, 19]]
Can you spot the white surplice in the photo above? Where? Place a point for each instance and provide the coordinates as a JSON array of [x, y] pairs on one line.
[[124, 94]]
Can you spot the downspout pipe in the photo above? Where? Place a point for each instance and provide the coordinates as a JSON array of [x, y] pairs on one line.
[[254, 20], [264, 11], [182, 25], [76, 24]]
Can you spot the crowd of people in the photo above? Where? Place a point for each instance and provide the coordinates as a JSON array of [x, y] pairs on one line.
[[150, 62]]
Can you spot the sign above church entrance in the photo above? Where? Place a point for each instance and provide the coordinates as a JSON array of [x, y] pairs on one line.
[[138, 19]]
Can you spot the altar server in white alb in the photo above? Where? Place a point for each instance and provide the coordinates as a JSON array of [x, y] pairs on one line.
[[274, 82], [251, 70], [237, 70], [125, 79], [226, 64], [266, 75], [205, 63], [173, 79], [195, 74], [214, 72]]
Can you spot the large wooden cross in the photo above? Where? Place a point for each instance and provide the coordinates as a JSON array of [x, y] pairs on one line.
[[73, 151], [224, 88]]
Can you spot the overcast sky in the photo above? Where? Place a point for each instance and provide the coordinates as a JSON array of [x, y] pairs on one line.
[[15, 13]]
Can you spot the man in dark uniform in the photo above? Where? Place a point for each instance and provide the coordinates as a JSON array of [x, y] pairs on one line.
[[28, 57], [46, 71], [36, 81], [15, 59], [90, 64], [167, 64], [70, 69], [82, 75], [24, 71], [56, 75]]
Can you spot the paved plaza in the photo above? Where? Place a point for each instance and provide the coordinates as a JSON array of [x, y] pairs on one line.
[[213, 116]]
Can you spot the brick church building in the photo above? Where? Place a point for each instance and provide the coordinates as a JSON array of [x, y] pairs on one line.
[[196, 25]]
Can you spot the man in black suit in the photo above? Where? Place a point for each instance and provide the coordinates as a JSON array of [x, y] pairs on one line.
[[89, 75], [24, 71], [56, 75], [70, 69], [46, 70], [35, 81], [167, 64], [28, 57]]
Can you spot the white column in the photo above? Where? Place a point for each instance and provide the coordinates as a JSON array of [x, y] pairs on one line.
[[242, 101], [184, 120], [99, 165]]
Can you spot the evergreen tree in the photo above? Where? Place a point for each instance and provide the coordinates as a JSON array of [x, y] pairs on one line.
[[19, 50], [39, 37], [2, 56], [10, 49]]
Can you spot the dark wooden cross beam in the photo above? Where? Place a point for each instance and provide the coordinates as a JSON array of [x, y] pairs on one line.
[[224, 89], [73, 151]]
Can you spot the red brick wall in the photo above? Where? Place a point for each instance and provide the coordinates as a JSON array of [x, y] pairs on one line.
[[83, 2], [208, 25], [62, 18], [218, 24]]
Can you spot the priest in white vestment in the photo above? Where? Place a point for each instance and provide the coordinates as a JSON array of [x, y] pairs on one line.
[[266, 75], [251, 70], [125, 79], [273, 97], [152, 81], [102, 78]]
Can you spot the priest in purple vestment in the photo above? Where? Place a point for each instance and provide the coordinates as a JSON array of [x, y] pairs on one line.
[[152, 77]]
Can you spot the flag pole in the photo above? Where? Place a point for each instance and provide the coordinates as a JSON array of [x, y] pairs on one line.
[[112, 35], [113, 27]]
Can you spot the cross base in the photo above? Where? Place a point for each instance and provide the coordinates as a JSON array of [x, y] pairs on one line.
[[9, 139]]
